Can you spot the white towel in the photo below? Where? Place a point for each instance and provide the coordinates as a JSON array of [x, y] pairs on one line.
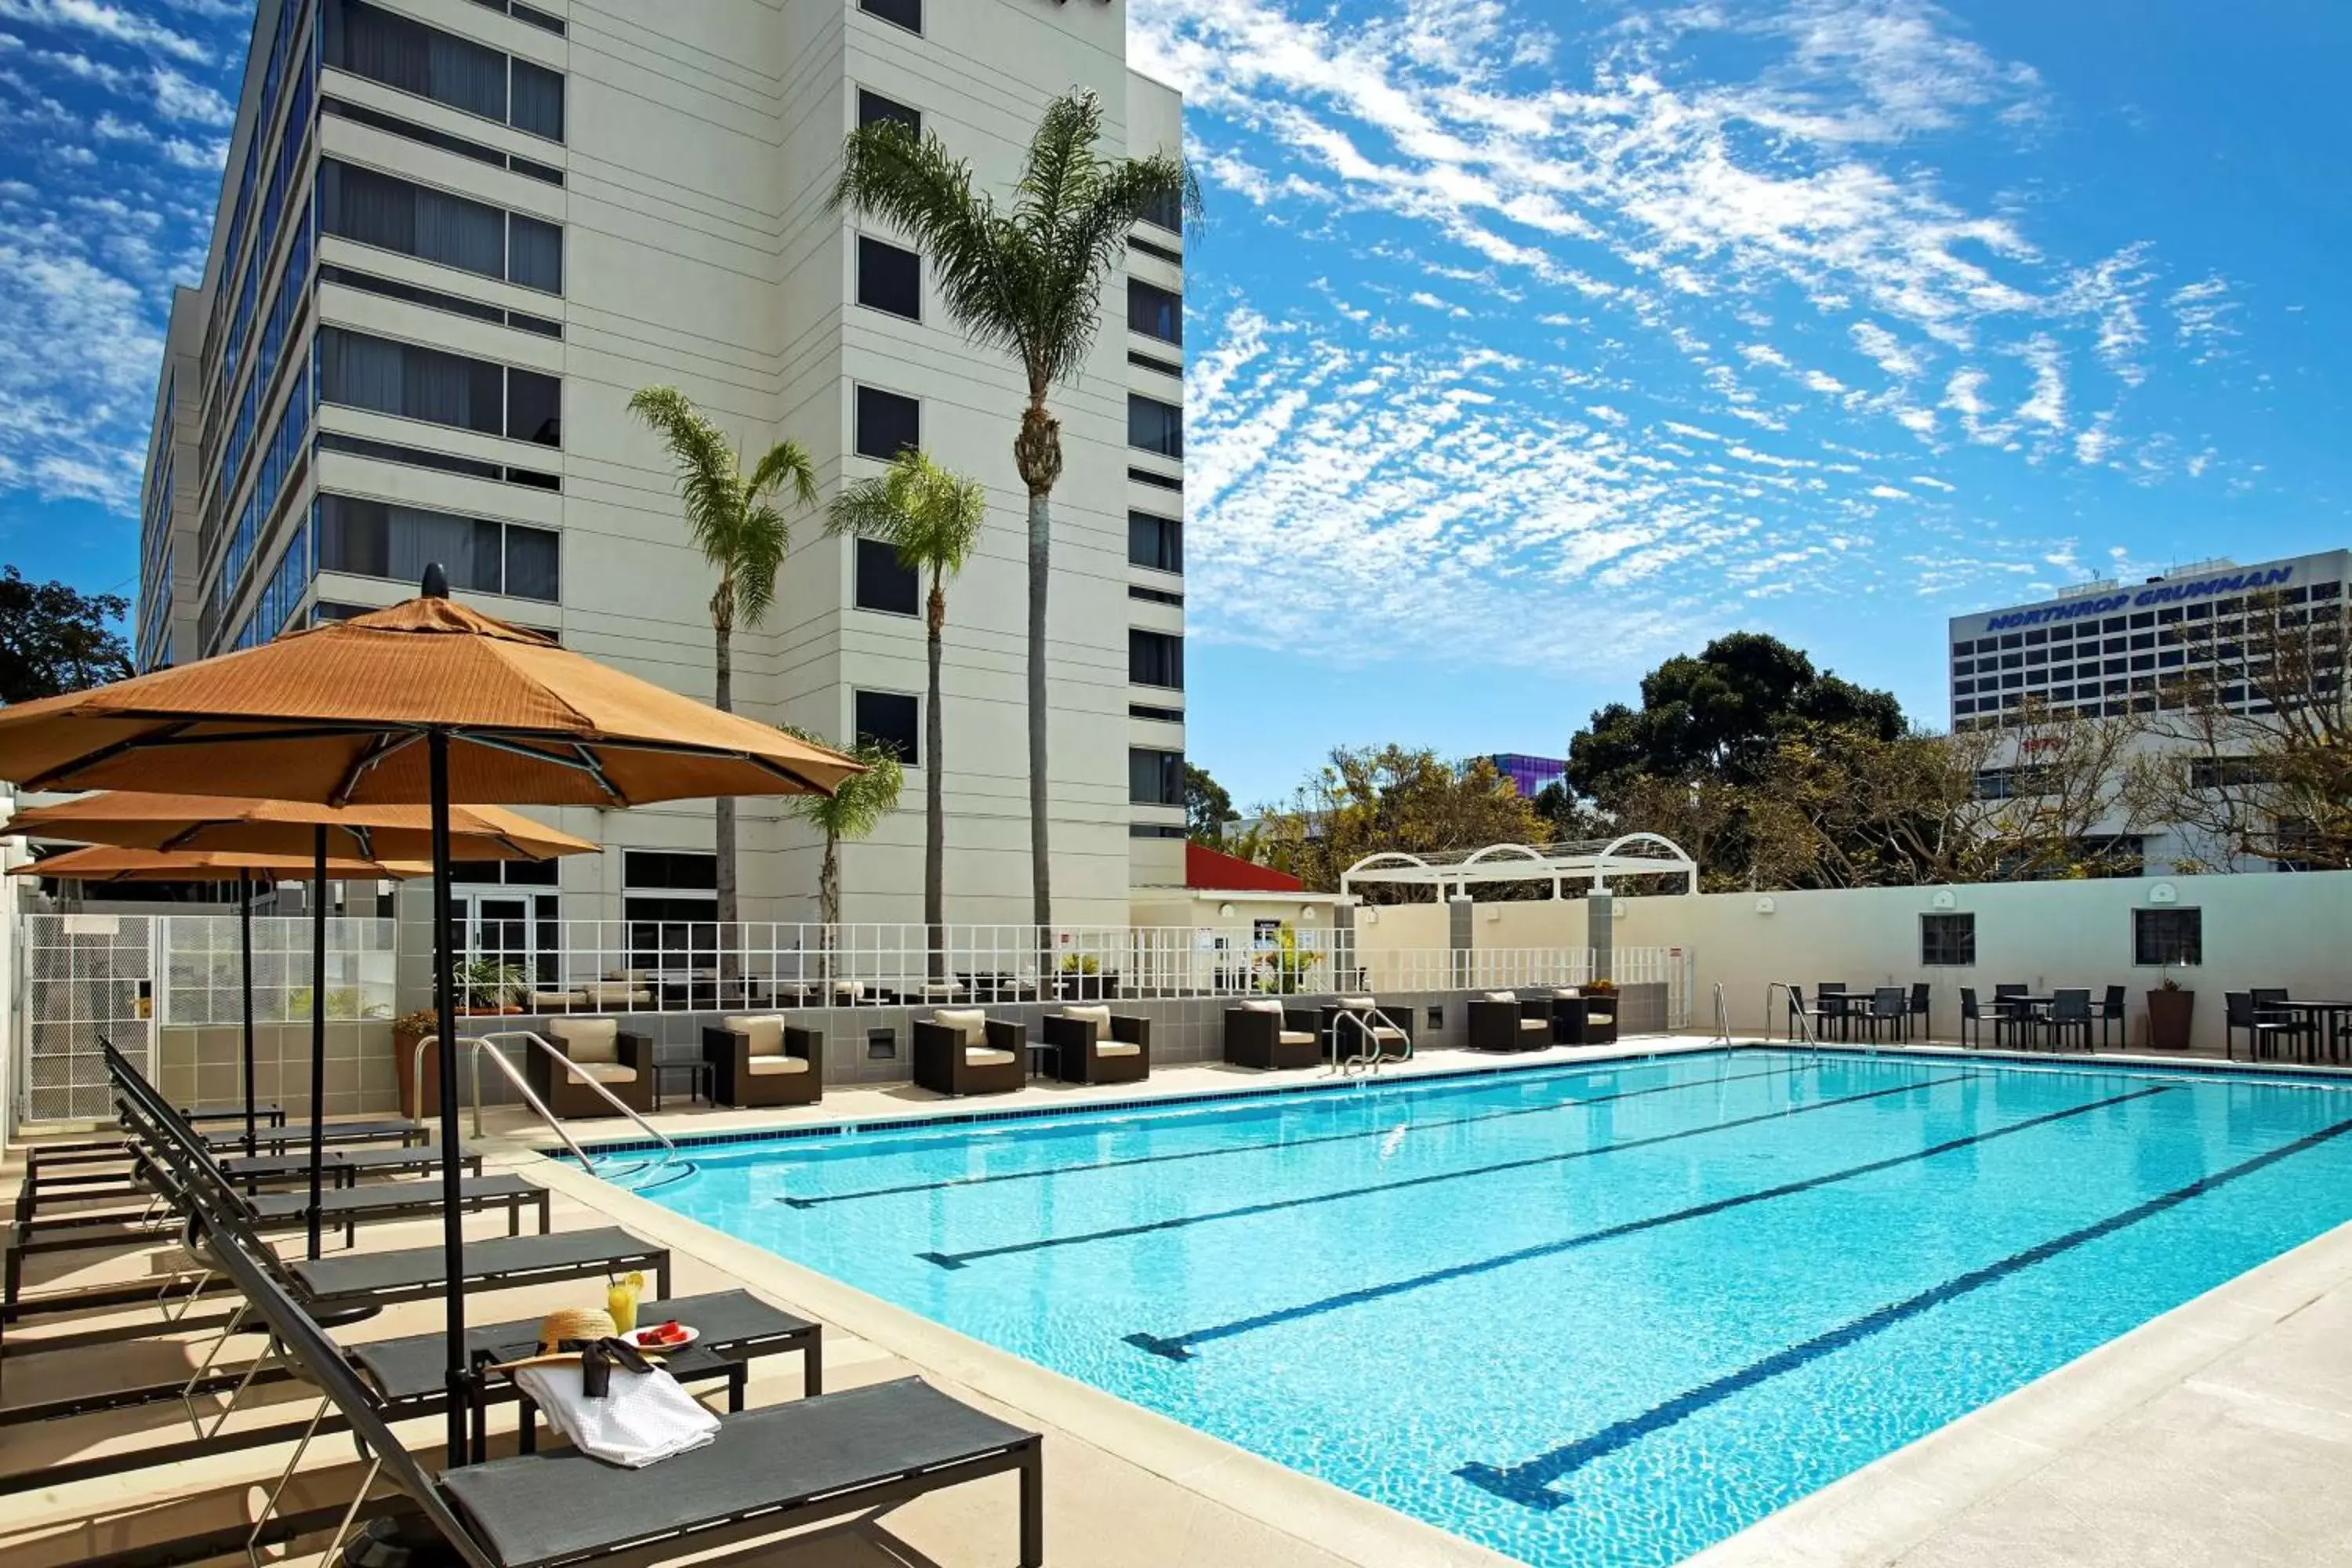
[[644, 1418]]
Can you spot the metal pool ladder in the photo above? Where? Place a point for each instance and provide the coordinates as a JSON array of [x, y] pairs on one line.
[[1722, 1018], [476, 1044], [1367, 1020], [1804, 1025]]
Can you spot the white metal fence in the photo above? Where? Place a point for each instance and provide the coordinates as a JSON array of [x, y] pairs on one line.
[[204, 968]]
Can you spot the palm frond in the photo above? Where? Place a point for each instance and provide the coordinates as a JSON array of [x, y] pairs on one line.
[[757, 553], [787, 462], [929, 515], [1061, 170], [708, 484], [857, 807]]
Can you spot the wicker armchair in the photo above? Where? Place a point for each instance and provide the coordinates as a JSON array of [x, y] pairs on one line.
[[764, 1061], [967, 1052], [622, 1062], [1502, 1021], [1265, 1036], [1092, 1044]]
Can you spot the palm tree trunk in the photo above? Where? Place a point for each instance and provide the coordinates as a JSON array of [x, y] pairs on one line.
[[828, 886], [1039, 452], [935, 810], [724, 807]]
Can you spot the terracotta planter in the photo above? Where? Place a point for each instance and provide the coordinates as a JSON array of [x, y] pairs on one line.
[[2168, 1019]]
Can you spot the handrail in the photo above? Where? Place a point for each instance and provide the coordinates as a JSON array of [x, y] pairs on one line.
[[1723, 1018], [1796, 1010], [475, 1045], [1369, 1020]]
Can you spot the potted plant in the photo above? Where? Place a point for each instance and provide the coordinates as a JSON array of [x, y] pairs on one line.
[[488, 986], [1600, 1012], [409, 1035], [2169, 1010]]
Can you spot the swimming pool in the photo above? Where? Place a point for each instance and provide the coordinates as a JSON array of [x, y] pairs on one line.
[[1606, 1315]]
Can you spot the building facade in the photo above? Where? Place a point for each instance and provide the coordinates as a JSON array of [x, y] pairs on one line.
[[453, 238], [1530, 776], [2106, 650]]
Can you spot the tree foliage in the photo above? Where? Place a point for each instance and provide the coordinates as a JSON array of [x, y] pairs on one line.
[[1207, 807], [1370, 799], [851, 811], [54, 638]]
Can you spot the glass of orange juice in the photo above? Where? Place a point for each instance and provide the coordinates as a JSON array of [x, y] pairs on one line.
[[621, 1301]]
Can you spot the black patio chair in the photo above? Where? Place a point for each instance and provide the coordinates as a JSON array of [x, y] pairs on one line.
[[2112, 1014], [1884, 1013], [1834, 1009], [1916, 1015], [2070, 1015], [2011, 1019], [2296, 1029]]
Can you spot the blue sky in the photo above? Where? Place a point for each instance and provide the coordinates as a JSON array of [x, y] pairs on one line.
[[1532, 341]]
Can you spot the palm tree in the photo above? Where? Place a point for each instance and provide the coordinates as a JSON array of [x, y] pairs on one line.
[[1027, 279], [853, 811], [932, 518], [736, 525]]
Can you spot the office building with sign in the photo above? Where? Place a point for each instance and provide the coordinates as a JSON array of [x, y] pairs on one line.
[[453, 239]]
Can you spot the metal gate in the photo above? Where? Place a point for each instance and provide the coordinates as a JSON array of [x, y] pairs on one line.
[[85, 977]]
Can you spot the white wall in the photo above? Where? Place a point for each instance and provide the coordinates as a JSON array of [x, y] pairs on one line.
[[2260, 928]]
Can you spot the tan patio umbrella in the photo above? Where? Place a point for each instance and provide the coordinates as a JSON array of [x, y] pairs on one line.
[[137, 819], [424, 701], [106, 864]]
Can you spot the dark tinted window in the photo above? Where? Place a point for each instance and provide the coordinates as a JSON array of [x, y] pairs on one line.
[[1154, 425], [668, 868], [889, 278], [377, 539], [410, 382], [1155, 311], [906, 13], [1155, 659], [416, 58], [534, 408], [883, 582], [390, 214], [1154, 777], [1948, 940], [530, 563], [891, 719], [535, 253], [1167, 213], [887, 423], [873, 107], [538, 100], [1155, 542], [2167, 936]]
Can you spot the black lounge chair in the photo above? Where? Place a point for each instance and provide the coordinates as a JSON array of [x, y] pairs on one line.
[[342, 1165], [1110, 1048], [1502, 1021], [1272, 1038], [1359, 1025], [823, 1458], [400, 1131], [947, 1061], [791, 1073]]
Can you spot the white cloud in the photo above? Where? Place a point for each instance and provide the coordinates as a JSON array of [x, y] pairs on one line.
[[2200, 317], [177, 98], [112, 21]]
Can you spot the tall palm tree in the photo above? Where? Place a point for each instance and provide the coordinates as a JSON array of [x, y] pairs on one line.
[[932, 518], [1026, 279], [853, 811], [733, 519]]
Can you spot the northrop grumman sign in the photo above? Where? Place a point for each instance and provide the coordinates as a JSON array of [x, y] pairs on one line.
[[2093, 604]]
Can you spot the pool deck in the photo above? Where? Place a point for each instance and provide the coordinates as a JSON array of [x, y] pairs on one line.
[[2215, 1434]]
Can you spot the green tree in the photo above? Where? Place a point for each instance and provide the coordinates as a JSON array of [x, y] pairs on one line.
[[732, 517], [1391, 797], [1026, 279], [853, 811], [932, 518], [1207, 807], [54, 639]]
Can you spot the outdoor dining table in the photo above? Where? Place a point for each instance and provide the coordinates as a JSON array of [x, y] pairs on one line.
[[2334, 1019]]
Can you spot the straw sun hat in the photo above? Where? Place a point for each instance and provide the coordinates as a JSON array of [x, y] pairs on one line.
[[576, 1325]]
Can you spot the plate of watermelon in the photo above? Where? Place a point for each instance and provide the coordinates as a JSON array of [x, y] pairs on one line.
[[667, 1336]]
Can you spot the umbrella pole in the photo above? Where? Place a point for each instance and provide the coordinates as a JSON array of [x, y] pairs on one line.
[[453, 1234], [318, 1021], [245, 944]]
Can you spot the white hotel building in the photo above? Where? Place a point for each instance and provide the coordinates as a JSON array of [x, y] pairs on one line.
[[2107, 649], [455, 234]]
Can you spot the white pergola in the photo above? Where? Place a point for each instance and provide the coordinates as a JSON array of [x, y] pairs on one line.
[[1591, 860]]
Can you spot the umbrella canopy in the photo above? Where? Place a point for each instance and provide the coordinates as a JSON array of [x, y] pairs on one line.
[[136, 819], [111, 865], [335, 713]]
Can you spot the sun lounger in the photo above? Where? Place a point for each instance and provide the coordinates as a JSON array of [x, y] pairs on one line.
[[341, 1165], [400, 1131]]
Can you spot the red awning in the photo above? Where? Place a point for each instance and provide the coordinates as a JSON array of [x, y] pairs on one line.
[[1213, 870]]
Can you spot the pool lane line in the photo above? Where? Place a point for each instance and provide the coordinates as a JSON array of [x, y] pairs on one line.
[[1529, 1483], [1374, 1189], [908, 1189], [1180, 1347]]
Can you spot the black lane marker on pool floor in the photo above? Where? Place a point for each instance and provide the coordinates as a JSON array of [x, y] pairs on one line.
[[909, 1188], [1374, 1189], [1529, 1483], [1180, 1347]]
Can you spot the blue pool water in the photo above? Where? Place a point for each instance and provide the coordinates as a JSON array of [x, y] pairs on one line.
[[1594, 1316]]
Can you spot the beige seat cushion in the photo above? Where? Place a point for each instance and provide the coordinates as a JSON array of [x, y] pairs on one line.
[[1566, 993], [1531, 1025], [608, 1072], [766, 1033], [613, 994], [1358, 1003], [1380, 1033], [971, 1022], [1260, 1004], [629, 976], [555, 1001], [1502, 996], [982, 1057], [587, 1039], [1117, 1048], [768, 1067], [1606, 1015], [1298, 1037], [848, 990], [1093, 1014]]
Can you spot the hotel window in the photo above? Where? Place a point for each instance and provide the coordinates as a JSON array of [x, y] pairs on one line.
[[1154, 425], [1155, 542], [887, 423], [1155, 659], [2162, 937], [1155, 312], [379, 539], [883, 581], [385, 46], [1167, 212], [893, 719], [889, 278], [873, 109], [416, 382], [1947, 942], [1155, 777], [907, 13], [368, 208], [534, 408]]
